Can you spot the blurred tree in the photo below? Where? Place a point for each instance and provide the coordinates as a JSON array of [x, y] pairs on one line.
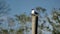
[[55, 21], [11, 31], [0, 32], [4, 8], [20, 31], [40, 9], [4, 31], [23, 19], [11, 22]]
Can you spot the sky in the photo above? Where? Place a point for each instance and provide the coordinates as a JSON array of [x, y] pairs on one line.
[[20, 6]]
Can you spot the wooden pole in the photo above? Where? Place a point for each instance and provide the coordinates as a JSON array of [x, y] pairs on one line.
[[34, 24]]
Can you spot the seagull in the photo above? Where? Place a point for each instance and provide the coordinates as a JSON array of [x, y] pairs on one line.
[[34, 12]]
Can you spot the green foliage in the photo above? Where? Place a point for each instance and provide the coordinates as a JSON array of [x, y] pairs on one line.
[[5, 31], [11, 30], [20, 31]]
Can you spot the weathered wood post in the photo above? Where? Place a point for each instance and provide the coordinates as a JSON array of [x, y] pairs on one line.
[[34, 22]]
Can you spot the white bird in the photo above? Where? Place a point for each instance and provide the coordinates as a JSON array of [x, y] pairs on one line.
[[34, 12]]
